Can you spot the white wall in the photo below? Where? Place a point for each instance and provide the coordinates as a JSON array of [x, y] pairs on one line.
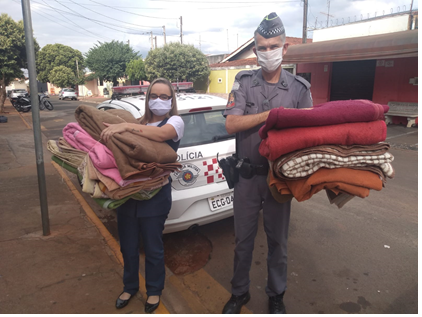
[[364, 28]]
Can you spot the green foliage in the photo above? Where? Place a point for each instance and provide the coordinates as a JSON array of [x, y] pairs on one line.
[[176, 61], [62, 76], [108, 60], [12, 52], [135, 69], [54, 55]]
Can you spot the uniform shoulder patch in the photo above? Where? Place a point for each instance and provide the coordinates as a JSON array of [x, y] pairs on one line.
[[231, 101], [303, 81]]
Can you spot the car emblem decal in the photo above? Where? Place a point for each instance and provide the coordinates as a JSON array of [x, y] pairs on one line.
[[212, 169], [188, 175]]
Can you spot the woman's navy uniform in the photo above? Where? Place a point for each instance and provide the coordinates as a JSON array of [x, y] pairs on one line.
[[146, 217]]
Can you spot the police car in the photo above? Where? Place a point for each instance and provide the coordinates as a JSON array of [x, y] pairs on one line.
[[199, 191]]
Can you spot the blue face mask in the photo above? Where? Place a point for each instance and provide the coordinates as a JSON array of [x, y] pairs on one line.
[[160, 107]]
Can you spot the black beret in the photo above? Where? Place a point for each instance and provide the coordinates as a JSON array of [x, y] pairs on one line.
[[271, 26]]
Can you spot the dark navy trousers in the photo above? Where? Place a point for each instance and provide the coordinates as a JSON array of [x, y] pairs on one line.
[[151, 230]]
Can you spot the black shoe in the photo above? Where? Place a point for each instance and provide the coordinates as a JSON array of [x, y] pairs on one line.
[[149, 308], [234, 305], [120, 303], [276, 305]]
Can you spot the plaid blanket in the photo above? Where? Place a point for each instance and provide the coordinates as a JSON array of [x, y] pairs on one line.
[[303, 163]]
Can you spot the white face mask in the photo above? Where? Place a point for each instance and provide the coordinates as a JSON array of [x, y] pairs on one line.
[[270, 60], [159, 107]]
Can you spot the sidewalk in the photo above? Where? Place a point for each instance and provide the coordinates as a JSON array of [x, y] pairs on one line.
[[71, 271]]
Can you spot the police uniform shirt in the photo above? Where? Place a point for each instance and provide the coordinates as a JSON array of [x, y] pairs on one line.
[[251, 94]]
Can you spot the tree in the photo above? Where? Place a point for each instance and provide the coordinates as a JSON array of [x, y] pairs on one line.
[[12, 53], [135, 69], [62, 76], [108, 60], [176, 61], [55, 55]]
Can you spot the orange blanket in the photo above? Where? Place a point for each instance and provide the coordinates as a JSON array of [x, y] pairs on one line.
[[353, 182]]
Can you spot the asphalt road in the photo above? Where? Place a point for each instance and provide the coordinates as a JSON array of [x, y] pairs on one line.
[[361, 258]]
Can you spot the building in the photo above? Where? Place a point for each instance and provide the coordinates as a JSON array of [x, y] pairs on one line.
[[381, 67], [223, 73]]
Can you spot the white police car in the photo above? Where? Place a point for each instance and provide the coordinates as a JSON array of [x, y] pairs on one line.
[[200, 193]]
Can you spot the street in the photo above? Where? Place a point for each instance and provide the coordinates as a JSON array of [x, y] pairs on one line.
[[361, 258]]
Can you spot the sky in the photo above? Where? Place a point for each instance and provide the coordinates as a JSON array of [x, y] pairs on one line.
[[213, 26]]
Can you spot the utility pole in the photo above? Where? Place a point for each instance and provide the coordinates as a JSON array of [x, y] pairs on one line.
[[328, 13], [77, 67], [152, 45], [155, 38], [199, 41], [328, 16], [32, 72], [128, 42], [181, 30], [305, 20], [228, 47], [164, 33], [410, 17]]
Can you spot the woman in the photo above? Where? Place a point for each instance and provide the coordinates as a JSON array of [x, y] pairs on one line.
[[160, 123]]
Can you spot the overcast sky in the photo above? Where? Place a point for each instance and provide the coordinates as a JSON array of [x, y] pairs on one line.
[[215, 27]]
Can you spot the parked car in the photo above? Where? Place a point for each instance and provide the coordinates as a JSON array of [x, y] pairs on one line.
[[68, 93], [200, 192], [15, 93]]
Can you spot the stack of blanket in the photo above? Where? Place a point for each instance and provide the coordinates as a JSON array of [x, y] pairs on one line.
[[126, 166], [336, 146]]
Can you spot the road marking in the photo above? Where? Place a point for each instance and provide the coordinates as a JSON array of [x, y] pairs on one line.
[[396, 136], [23, 119], [58, 120], [109, 239]]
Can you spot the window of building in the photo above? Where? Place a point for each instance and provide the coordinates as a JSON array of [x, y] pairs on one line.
[[307, 76]]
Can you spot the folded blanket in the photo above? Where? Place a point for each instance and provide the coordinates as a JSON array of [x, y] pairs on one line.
[[304, 162], [65, 165], [339, 199], [107, 203], [353, 182], [133, 188], [329, 113], [280, 142], [130, 150], [71, 156]]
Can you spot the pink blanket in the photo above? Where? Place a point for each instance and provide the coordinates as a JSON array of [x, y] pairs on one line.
[[329, 113], [280, 142], [102, 158]]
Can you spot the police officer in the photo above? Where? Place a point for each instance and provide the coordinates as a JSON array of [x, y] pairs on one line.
[[254, 93]]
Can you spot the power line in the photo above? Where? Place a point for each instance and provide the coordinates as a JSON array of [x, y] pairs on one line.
[[103, 24], [106, 15], [78, 26], [55, 22], [145, 16], [95, 21]]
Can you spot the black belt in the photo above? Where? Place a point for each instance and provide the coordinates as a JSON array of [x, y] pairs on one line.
[[248, 170]]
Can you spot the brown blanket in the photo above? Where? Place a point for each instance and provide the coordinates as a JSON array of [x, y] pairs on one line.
[[135, 155]]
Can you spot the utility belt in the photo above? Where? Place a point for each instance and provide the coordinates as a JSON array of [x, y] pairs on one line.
[[232, 167]]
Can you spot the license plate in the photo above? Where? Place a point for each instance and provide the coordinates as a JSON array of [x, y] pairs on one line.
[[220, 201]]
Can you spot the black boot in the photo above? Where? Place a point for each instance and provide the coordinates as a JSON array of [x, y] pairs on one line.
[[276, 305], [234, 305]]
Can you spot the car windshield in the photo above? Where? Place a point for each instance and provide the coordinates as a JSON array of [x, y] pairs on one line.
[[69, 90], [19, 90], [204, 128]]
